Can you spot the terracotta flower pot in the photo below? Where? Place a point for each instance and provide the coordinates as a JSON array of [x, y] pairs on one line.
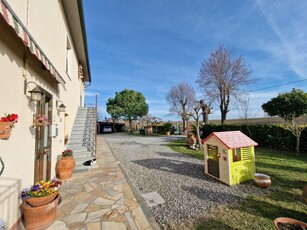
[[65, 167], [191, 139], [281, 222], [40, 217], [262, 180], [167, 133], [5, 129], [39, 201]]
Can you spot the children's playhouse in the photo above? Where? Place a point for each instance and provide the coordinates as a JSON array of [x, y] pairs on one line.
[[229, 157]]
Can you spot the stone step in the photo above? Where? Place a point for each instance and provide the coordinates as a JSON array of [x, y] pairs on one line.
[[84, 120], [82, 155], [80, 143], [81, 160], [81, 151], [81, 135], [83, 168], [85, 125], [82, 139]]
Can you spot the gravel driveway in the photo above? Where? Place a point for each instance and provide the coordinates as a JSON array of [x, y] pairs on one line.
[[179, 179]]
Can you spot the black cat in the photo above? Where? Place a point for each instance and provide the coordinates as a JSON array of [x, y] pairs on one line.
[[90, 162]]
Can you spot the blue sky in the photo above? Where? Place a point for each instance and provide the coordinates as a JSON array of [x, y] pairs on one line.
[[149, 46]]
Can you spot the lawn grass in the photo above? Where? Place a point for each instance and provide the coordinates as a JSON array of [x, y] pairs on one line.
[[283, 199], [181, 147]]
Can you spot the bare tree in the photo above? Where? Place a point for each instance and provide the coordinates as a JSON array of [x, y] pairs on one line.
[[223, 76], [243, 107], [181, 99], [148, 119], [196, 114], [206, 110]]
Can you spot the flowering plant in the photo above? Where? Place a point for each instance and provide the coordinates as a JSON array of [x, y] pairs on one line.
[[41, 189], [67, 153], [10, 118], [41, 120]]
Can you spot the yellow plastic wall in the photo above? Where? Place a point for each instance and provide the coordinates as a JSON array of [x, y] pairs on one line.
[[241, 171]]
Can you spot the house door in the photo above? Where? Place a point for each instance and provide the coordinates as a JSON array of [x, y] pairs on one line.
[[213, 161], [42, 169]]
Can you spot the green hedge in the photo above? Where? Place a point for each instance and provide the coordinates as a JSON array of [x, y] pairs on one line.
[[266, 135]]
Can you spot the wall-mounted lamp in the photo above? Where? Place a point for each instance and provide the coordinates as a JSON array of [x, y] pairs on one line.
[[60, 106], [36, 92]]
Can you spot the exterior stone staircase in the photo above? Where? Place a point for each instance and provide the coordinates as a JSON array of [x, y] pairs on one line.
[[83, 137]]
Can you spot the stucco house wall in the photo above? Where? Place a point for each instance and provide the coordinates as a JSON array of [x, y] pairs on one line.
[[47, 22]]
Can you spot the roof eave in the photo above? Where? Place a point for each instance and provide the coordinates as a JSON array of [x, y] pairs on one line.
[[75, 20]]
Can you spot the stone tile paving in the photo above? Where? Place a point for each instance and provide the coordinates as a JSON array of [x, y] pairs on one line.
[[101, 199]]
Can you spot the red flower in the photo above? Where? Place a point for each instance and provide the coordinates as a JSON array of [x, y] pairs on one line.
[[13, 117], [10, 118], [4, 119]]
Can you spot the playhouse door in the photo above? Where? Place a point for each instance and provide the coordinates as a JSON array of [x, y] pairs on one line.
[[213, 161]]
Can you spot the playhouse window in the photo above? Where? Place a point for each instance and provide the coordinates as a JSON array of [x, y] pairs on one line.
[[236, 155], [246, 154]]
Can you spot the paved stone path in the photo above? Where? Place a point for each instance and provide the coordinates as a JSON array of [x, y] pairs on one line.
[[101, 199]]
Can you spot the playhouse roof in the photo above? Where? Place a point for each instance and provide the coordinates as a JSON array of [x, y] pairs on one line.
[[233, 139]]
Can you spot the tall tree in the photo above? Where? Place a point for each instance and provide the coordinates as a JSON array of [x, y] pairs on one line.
[[181, 98], [223, 76], [289, 106], [132, 103], [114, 110]]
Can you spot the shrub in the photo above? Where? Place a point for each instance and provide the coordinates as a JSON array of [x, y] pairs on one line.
[[167, 126], [266, 135]]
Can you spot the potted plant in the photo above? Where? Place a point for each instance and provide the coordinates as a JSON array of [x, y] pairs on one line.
[[6, 124], [40, 121], [40, 203], [148, 129], [191, 140], [167, 128], [41, 192], [66, 165]]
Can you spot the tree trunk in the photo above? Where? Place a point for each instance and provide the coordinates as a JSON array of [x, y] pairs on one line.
[[114, 130], [297, 145], [198, 137], [183, 124], [130, 124], [223, 116]]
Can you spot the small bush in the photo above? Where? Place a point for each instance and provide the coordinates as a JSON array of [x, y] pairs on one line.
[[167, 126]]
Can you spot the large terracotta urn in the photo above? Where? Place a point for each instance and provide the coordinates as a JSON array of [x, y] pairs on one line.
[[41, 216], [262, 180], [282, 223], [148, 130], [65, 167], [191, 139]]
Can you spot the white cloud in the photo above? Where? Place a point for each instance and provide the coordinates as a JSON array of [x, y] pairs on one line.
[[290, 29]]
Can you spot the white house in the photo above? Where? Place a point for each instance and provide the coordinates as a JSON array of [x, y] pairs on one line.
[[42, 46]]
